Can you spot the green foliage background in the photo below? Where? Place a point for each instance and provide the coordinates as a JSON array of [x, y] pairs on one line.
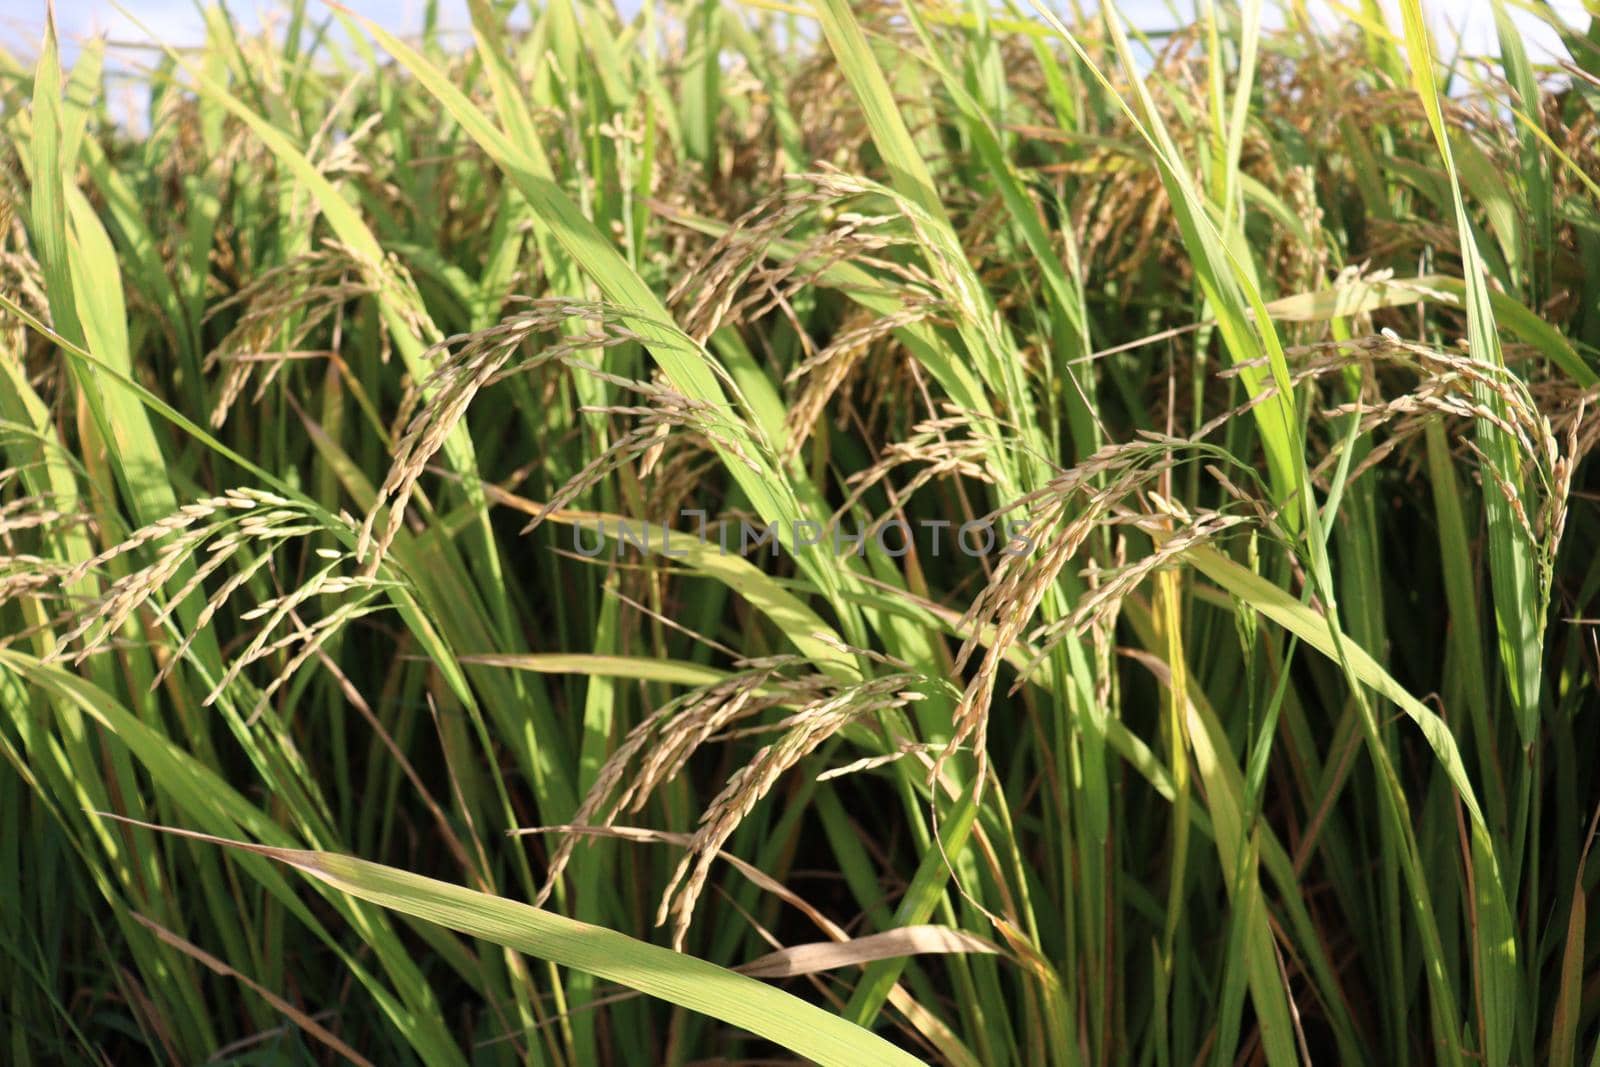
[[323, 744]]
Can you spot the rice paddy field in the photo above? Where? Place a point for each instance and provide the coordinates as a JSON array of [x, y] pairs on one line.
[[763, 533]]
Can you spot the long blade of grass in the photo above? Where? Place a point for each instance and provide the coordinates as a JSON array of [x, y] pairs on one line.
[[693, 983]]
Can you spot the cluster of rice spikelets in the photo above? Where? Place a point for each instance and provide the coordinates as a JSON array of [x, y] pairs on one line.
[[276, 312], [817, 707], [243, 530]]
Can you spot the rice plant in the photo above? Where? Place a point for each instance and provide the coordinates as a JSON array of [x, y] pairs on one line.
[[842, 532]]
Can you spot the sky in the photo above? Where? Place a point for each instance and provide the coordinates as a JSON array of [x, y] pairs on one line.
[[179, 21]]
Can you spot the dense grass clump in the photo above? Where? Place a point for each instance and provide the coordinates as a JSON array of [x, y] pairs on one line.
[[859, 532]]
